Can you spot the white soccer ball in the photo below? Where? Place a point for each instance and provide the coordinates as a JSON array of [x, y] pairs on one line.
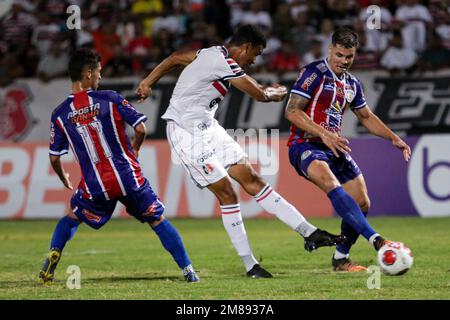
[[395, 258]]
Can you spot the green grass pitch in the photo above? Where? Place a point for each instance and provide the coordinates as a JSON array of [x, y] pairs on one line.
[[125, 260]]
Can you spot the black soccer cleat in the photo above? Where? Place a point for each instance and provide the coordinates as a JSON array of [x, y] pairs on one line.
[[258, 272], [47, 272], [192, 276], [322, 238]]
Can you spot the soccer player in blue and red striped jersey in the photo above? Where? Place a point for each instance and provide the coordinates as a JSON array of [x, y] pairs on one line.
[[93, 124], [317, 102]]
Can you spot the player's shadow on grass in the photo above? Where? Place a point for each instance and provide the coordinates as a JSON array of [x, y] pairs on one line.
[[131, 278]]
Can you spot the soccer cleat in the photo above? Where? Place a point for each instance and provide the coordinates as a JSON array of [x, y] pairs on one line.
[[190, 274], [47, 272], [321, 238], [379, 242], [345, 264], [258, 272]]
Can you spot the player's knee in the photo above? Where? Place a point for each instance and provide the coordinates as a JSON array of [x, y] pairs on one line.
[[364, 204], [255, 184], [227, 195]]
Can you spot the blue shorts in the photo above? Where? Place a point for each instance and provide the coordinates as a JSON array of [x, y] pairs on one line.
[[302, 154], [143, 204]]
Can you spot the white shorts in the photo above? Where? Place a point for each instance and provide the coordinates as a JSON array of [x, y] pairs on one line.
[[207, 154]]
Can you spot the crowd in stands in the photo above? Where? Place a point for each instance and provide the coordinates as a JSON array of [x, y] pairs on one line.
[[133, 36]]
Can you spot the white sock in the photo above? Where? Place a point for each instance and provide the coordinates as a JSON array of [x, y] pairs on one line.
[[275, 204], [232, 220], [339, 255]]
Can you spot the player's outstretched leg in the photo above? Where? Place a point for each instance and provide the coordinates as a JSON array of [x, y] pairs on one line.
[[64, 231], [275, 204], [172, 242]]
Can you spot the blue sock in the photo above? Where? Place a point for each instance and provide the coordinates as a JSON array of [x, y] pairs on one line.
[[351, 236], [172, 242], [64, 231], [350, 212]]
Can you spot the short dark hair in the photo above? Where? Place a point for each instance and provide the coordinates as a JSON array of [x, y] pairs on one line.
[[248, 34], [79, 59], [345, 37]]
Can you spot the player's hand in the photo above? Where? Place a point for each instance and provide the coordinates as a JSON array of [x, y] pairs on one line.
[[336, 143], [276, 92], [143, 91], [399, 143], [67, 182]]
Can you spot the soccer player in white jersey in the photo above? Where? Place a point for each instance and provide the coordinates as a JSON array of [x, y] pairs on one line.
[[208, 153]]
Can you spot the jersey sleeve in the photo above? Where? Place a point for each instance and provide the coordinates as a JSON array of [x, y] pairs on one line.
[[59, 144], [359, 101], [227, 68], [128, 112], [307, 82]]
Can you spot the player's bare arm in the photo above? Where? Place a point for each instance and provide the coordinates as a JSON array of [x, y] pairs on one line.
[[258, 92], [295, 113], [62, 174], [140, 131], [175, 60], [375, 126]]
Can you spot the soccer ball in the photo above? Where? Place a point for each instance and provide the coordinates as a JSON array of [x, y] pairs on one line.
[[395, 258]]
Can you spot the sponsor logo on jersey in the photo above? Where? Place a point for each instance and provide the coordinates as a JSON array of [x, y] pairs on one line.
[[308, 81], [85, 113]]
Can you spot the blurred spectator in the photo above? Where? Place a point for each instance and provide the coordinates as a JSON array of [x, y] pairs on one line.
[[326, 31], [377, 39], [105, 41], [119, 64], [218, 13], [365, 57], [436, 56], [440, 11], [45, 33], [10, 69], [150, 61], [414, 18], [301, 34], [397, 58], [147, 10], [343, 13], [16, 27], [139, 47], [285, 60], [315, 52], [54, 63], [282, 21], [172, 21], [257, 16]]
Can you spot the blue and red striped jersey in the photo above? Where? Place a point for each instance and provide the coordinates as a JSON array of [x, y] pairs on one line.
[[93, 124], [328, 97]]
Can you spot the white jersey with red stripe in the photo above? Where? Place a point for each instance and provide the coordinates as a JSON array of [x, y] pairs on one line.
[[200, 88]]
